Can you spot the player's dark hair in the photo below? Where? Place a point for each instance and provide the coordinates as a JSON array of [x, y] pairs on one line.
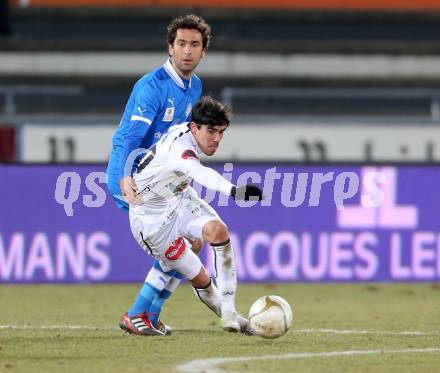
[[190, 22], [210, 112]]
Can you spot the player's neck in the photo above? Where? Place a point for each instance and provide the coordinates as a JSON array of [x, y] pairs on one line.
[[186, 76], [182, 74]]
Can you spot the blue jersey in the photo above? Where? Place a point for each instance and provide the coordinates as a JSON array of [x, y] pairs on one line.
[[159, 100]]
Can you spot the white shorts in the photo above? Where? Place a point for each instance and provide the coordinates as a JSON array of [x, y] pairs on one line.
[[164, 238]]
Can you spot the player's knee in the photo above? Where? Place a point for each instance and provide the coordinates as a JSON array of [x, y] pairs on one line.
[[202, 279], [215, 232]]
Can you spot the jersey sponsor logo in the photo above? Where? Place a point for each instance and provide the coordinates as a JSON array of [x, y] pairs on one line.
[[147, 189], [176, 249], [189, 154], [167, 220]]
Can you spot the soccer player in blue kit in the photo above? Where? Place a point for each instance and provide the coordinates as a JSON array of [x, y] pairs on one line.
[[160, 99]]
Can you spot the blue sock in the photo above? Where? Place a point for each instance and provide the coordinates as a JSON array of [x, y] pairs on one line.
[[158, 302], [155, 282], [157, 305], [144, 299]]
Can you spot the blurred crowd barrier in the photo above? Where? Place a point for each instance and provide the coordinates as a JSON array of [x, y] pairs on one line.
[[272, 140]]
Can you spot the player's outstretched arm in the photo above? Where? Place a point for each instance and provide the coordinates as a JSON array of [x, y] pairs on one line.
[[212, 180]]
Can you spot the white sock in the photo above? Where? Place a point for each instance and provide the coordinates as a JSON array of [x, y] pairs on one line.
[[226, 275], [211, 297], [158, 279], [173, 284]]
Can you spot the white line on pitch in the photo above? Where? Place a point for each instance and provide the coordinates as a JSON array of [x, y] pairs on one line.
[[58, 327], [300, 331], [212, 365], [349, 331]]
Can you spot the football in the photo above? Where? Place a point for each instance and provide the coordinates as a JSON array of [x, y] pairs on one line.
[[270, 316]]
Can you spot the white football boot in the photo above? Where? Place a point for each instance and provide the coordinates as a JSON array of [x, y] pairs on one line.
[[245, 327], [230, 321], [235, 323]]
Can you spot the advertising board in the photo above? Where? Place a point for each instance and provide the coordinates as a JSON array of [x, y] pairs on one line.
[[58, 224]]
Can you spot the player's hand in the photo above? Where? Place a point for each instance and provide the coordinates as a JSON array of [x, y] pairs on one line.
[[129, 191], [247, 192]]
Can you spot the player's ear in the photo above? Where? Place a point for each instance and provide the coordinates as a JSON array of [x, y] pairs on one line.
[[193, 127], [170, 50], [204, 53]]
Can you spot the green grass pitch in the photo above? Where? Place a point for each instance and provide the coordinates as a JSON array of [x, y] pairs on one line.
[[74, 328]]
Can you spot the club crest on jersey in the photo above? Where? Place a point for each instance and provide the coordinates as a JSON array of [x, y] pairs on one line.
[[189, 154], [176, 249], [169, 114]]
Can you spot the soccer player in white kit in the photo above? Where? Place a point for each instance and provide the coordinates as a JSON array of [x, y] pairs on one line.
[[172, 211]]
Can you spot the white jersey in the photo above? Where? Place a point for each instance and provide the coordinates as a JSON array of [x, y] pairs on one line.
[[165, 172]]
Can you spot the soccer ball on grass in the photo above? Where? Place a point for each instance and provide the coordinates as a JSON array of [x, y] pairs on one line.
[[270, 316]]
